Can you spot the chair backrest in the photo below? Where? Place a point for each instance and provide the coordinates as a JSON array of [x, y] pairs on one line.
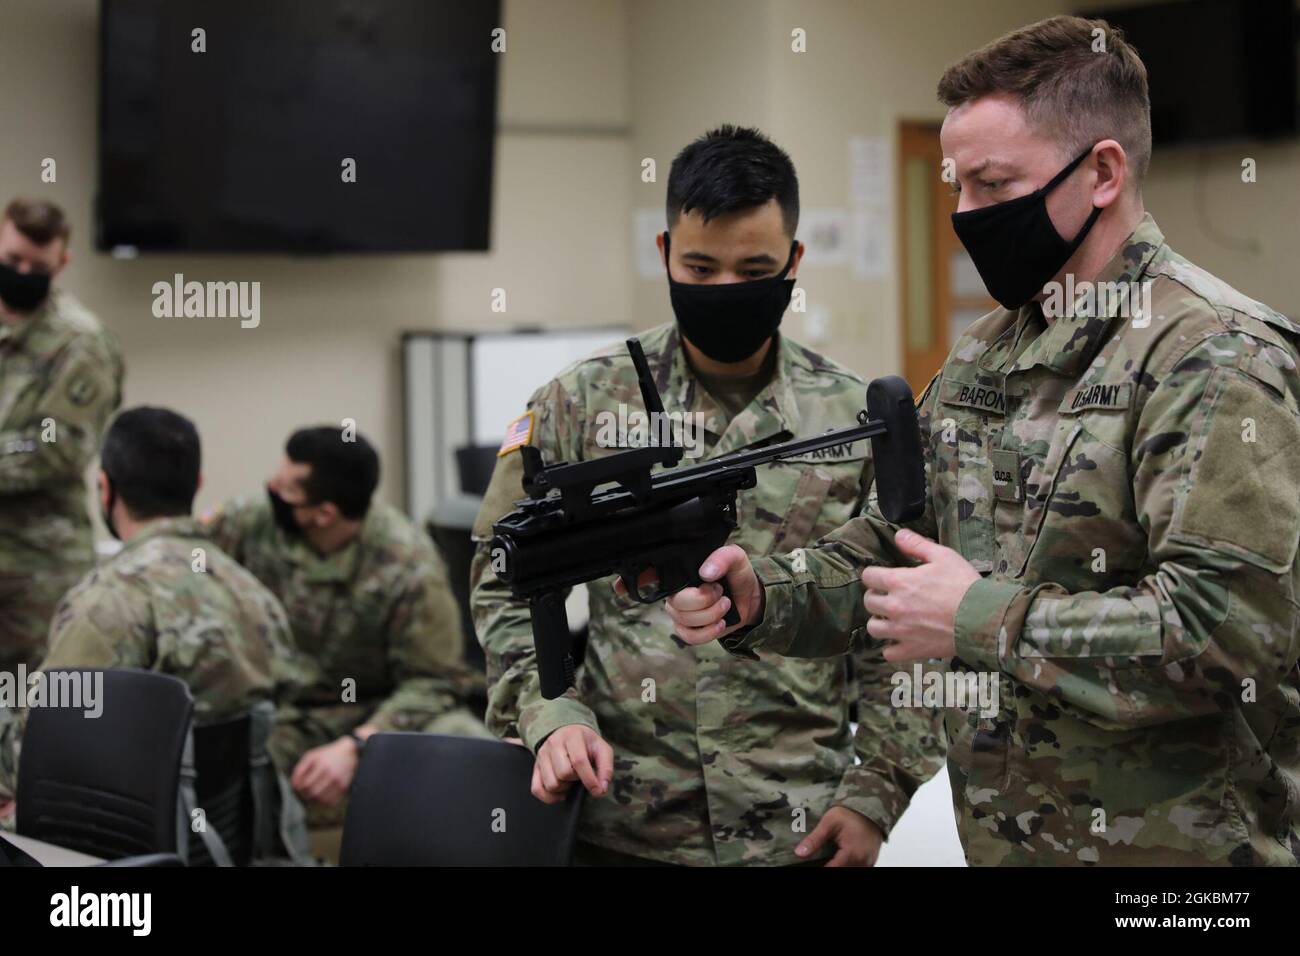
[[430, 800], [223, 789], [106, 785], [474, 466], [457, 549]]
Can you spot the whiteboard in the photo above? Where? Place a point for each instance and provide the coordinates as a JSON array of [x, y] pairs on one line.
[[461, 389], [507, 369]]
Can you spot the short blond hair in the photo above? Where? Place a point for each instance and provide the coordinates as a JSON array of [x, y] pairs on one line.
[[1070, 90]]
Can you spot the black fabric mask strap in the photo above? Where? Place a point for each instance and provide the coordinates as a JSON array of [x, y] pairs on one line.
[[1060, 177]]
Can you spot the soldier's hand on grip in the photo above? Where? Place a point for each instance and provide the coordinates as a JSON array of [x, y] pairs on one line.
[[697, 612]]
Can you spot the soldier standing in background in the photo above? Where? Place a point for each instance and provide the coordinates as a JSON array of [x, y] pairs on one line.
[[169, 601], [698, 758], [1113, 519], [60, 380], [369, 605]]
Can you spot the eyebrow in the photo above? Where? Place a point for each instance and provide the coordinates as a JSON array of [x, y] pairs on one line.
[[762, 259], [987, 164]]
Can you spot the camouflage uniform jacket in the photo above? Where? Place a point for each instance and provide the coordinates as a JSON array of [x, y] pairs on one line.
[[716, 759], [1127, 487], [170, 602], [377, 618], [60, 380]]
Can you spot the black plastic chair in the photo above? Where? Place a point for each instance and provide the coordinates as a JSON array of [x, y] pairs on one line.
[[223, 790], [430, 800], [474, 466], [230, 777], [106, 786], [450, 530]]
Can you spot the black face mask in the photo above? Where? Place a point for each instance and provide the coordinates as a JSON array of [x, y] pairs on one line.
[[107, 513], [730, 322], [23, 291], [1014, 245], [282, 512]]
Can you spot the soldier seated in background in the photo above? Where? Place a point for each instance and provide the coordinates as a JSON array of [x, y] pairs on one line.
[[60, 380], [368, 601], [168, 601]]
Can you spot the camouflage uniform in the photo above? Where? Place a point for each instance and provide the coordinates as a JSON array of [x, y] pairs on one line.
[[716, 767], [1127, 489], [378, 613], [147, 607], [60, 380]]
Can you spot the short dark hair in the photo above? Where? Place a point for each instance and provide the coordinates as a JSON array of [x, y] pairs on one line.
[[1069, 89], [732, 168], [40, 221], [344, 467], [152, 457]]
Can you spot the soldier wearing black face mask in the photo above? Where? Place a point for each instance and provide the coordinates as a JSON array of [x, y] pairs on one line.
[[693, 756], [60, 381], [370, 606]]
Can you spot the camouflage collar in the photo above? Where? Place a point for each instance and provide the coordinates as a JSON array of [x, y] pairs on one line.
[[1130, 263], [176, 527], [1070, 341], [773, 412], [317, 568]]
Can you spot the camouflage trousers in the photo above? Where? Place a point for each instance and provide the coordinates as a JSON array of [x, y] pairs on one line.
[[292, 738], [27, 603]]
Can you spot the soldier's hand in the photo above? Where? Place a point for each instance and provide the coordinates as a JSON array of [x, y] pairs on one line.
[[7, 808], [572, 753], [697, 612], [324, 774], [915, 609], [857, 839]]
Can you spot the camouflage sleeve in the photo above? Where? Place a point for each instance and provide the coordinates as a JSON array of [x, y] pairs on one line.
[[425, 647], [10, 733], [63, 434], [813, 596], [291, 671], [1213, 465], [96, 624], [101, 624], [516, 707], [899, 748], [227, 526]]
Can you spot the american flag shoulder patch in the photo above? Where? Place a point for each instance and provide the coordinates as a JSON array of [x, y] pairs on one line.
[[517, 434]]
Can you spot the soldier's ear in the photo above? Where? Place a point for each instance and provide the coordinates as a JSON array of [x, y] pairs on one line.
[[64, 258], [101, 487], [328, 513]]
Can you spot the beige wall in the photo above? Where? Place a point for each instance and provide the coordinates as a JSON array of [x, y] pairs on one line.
[[866, 67], [327, 346], [589, 88], [870, 65]]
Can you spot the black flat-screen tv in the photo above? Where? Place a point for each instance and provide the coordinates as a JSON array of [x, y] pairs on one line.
[[1217, 69], [300, 126]]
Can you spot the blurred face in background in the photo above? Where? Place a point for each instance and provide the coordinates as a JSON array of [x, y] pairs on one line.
[[28, 258]]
